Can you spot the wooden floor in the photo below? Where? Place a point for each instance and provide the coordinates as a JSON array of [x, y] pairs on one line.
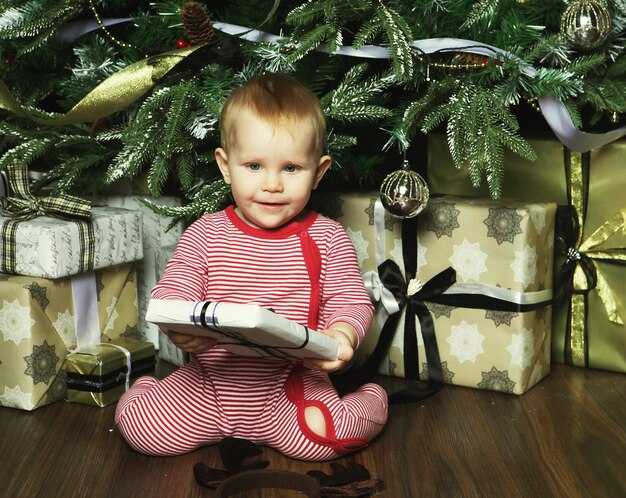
[[566, 437]]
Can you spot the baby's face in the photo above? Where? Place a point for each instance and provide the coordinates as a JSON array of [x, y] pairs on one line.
[[271, 170]]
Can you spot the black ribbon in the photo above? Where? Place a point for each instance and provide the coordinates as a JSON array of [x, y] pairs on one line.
[[410, 305], [567, 234], [567, 231]]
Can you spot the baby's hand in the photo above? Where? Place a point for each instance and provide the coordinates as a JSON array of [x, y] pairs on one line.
[[190, 343], [346, 336]]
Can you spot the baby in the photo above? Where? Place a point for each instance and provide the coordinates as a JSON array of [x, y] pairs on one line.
[[267, 249]]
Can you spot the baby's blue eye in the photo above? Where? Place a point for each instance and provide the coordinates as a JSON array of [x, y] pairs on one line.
[[291, 168], [254, 166]]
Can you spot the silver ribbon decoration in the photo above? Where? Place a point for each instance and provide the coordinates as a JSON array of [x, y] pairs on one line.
[[377, 291], [553, 110], [511, 296], [127, 354], [86, 318]]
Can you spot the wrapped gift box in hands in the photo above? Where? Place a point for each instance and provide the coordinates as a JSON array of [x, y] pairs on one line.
[[244, 329]]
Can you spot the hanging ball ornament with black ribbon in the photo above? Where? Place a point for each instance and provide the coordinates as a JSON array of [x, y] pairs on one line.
[[586, 23], [404, 193]]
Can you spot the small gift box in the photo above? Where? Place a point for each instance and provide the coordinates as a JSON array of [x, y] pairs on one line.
[[244, 329], [42, 319], [159, 243], [100, 374], [590, 241], [468, 285]]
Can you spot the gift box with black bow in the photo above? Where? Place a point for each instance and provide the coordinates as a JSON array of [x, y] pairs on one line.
[[590, 240], [468, 280]]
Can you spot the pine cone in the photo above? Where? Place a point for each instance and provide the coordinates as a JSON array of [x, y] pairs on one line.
[[198, 25]]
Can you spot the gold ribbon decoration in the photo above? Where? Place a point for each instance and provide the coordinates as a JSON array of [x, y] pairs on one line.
[[580, 274], [114, 94]]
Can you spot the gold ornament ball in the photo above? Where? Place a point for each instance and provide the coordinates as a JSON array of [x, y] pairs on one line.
[[586, 23], [404, 193]]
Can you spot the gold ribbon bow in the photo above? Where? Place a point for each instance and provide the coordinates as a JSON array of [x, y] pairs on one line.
[[114, 94], [588, 248]]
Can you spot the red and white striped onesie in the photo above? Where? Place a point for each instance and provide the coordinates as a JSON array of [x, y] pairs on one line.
[[306, 271]]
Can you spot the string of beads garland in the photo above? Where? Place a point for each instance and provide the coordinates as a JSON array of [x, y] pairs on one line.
[[105, 30]]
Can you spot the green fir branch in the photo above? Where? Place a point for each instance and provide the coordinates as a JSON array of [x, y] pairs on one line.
[[482, 12], [306, 14], [26, 152], [210, 198], [310, 41], [398, 35], [368, 32], [478, 131], [37, 20], [411, 118], [351, 100], [163, 136]]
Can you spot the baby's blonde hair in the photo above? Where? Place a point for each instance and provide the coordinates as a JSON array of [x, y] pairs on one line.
[[278, 99]]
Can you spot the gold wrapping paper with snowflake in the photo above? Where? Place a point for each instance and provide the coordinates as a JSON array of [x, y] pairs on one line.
[[99, 375], [504, 249], [158, 248], [589, 330], [38, 328], [51, 247]]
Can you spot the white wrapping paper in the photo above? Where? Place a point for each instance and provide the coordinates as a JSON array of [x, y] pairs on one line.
[[244, 329], [50, 247]]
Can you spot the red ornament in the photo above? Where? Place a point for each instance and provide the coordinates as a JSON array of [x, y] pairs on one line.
[[182, 43]]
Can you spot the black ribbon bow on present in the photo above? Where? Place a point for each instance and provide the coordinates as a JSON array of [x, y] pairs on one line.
[[410, 295], [567, 239]]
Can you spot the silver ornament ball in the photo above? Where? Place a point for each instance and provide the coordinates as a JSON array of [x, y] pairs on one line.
[[404, 193], [586, 23]]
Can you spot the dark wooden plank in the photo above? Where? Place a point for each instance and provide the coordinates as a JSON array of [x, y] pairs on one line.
[[566, 437]]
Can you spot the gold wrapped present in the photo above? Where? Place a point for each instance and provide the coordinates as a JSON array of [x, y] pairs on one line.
[[99, 375], [42, 319], [489, 326], [590, 263]]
